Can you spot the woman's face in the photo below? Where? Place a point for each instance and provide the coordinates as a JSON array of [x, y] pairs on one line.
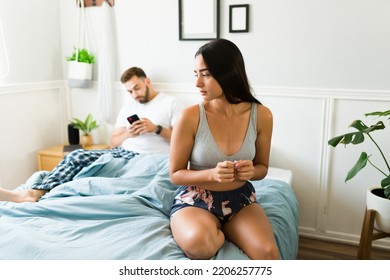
[[209, 87]]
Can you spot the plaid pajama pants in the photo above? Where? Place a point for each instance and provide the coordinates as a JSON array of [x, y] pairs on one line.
[[72, 164]]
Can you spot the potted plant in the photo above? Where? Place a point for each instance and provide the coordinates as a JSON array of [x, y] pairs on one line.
[[86, 127], [378, 198], [80, 68]]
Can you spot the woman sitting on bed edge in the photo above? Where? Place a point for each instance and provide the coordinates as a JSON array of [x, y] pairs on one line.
[[226, 139]]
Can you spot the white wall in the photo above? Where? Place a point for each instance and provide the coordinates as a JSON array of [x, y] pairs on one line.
[[302, 43], [33, 43], [317, 64], [339, 44], [32, 96]]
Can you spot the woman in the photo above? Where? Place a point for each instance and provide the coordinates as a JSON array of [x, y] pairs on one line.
[[226, 139]]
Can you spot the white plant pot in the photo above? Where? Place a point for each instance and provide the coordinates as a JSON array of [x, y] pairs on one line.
[[79, 74], [382, 207]]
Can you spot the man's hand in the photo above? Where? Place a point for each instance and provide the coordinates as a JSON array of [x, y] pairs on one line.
[[142, 126]]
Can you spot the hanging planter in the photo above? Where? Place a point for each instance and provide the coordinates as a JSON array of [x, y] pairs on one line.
[[80, 69], [81, 61]]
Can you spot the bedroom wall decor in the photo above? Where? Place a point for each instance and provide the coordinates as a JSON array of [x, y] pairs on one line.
[[96, 3], [239, 18], [190, 27], [81, 61]]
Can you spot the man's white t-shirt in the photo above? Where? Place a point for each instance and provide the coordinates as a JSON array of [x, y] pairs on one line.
[[162, 110]]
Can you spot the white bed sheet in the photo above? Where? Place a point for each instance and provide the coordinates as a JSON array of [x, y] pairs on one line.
[[281, 174]]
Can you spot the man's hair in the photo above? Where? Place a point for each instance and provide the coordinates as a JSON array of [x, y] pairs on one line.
[[133, 71]]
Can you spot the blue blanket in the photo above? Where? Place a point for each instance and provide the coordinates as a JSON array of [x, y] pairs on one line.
[[117, 209]]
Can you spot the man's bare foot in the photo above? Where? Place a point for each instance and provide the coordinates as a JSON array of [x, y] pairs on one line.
[[29, 195]]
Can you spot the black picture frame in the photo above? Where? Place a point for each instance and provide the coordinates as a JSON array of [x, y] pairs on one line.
[[199, 19], [238, 18]]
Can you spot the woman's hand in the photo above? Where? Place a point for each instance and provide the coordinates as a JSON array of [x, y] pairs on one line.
[[244, 170], [224, 172]]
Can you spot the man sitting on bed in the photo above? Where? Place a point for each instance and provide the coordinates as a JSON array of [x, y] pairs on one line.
[[150, 134]]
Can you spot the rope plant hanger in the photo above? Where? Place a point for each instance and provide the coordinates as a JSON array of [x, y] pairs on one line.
[[81, 61]]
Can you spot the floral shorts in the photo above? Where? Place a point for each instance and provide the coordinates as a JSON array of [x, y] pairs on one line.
[[223, 204]]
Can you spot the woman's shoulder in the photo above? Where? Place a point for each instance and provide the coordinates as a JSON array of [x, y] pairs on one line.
[[262, 109], [191, 110], [188, 120], [190, 114], [263, 113]]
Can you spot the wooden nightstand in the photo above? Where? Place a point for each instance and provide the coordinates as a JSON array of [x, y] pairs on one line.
[[51, 157]]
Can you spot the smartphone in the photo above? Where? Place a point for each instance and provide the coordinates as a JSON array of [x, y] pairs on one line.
[[133, 118]]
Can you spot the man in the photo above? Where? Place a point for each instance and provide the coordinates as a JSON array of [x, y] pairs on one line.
[[157, 112], [150, 134]]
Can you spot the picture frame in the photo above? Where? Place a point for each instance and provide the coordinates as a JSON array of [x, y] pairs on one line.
[[190, 25], [238, 18]]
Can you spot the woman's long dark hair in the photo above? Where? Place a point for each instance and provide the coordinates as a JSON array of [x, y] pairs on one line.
[[225, 63]]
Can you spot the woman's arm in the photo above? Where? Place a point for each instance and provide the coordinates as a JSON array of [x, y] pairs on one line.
[[182, 142], [263, 142]]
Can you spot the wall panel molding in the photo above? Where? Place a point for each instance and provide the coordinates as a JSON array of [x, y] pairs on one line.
[[36, 119], [26, 88]]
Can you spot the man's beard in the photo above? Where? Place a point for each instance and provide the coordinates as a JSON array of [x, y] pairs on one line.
[[145, 98]]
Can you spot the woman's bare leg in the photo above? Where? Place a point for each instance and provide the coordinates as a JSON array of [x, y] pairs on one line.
[[250, 230], [197, 232], [29, 195]]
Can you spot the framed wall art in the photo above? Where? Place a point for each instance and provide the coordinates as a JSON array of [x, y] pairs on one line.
[[198, 19], [238, 18]]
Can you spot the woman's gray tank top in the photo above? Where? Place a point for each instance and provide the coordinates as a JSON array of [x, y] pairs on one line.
[[206, 153]]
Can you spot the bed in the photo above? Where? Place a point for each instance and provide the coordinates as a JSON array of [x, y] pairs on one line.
[[119, 210]]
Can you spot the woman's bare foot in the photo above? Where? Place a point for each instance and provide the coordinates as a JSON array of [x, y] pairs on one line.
[[29, 195]]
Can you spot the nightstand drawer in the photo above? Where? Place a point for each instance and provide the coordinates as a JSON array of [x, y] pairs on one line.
[[48, 163], [51, 157]]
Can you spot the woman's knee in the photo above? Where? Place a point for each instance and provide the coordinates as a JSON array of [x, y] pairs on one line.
[[202, 244], [268, 251]]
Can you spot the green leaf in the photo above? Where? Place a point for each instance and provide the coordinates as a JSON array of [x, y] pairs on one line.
[[336, 140], [85, 126], [359, 138], [348, 138], [356, 137], [83, 56], [359, 165], [379, 114], [359, 125], [385, 184]]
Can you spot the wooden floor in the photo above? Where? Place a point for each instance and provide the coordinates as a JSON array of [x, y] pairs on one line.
[[313, 249]]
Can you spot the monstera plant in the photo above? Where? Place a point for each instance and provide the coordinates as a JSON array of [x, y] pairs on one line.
[[363, 133], [377, 197]]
